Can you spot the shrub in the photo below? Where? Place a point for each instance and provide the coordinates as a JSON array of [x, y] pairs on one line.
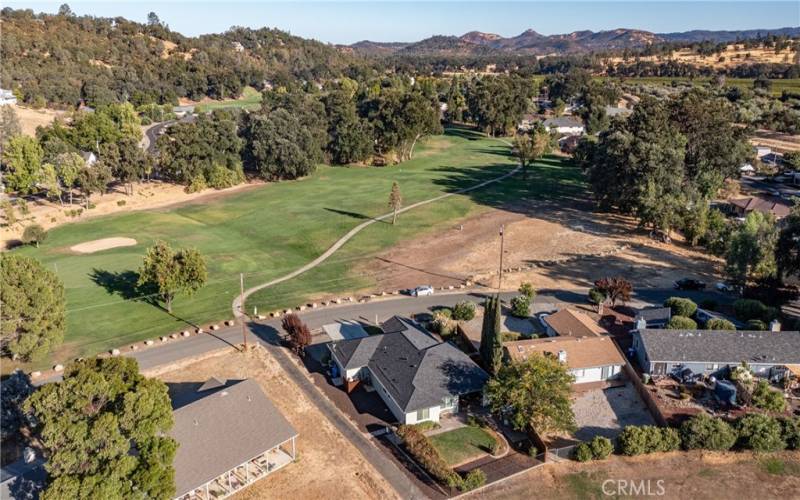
[[221, 177], [441, 323], [474, 479], [681, 306], [702, 432], [760, 433], [583, 452], [464, 311], [681, 323], [756, 324], [299, 334], [601, 447], [34, 234], [510, 336], [747, 309], [521, 306], [766, 398], [196, 184], [790, 432], [426, 426], [720, 324], [121, 203], [596, 296], [638, 440], [423, 451], [527, 290]]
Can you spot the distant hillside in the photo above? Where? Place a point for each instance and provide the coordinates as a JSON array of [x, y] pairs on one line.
[[477, 43], [60, 60]]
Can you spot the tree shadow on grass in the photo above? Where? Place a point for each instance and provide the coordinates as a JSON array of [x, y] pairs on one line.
[[354, 215], [464, 133], [122, 283]]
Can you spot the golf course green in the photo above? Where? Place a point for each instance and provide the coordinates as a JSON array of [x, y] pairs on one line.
[[268, 231]]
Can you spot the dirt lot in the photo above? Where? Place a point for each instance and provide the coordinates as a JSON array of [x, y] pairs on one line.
[[558, 247], [696, 475], [328, 465], [734, 55], [776, 140], [146, 196], [29, 118]]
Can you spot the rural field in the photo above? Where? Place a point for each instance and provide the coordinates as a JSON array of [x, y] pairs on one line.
[[777, 88], [249, 100], [267, 232], [697, 475]]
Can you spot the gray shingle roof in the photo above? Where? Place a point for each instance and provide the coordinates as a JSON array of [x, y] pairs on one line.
[[721, 346], [224, 430], [416, 370], [563, 121]]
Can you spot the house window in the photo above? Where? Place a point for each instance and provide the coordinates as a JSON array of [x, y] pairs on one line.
[[423, 414], [449, 402]]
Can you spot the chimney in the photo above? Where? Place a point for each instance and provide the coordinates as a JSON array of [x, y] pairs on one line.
[[774, 325], [562, 356]]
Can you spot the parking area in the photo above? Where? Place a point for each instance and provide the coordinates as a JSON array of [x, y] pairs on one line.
[[604, 412]]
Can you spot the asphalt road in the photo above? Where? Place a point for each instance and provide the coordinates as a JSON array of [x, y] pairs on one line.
[[380, 310]]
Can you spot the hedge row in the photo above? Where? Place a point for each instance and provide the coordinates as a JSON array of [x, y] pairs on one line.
[[423, 451], [755, 431], [597, 449]]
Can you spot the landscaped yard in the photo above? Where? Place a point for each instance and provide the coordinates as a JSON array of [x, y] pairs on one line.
[[268, 231], [463, 444]]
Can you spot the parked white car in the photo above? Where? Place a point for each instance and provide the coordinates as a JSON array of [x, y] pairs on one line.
[[723, 287], [422, 291]]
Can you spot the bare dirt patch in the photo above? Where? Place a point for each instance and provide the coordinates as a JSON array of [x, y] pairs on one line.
[[776, 140], [29, 118], [550, 246], [102, 244], [697, 475], [328, 464]]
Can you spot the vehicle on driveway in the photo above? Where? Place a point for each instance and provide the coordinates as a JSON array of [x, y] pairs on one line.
[[689, 284], [723, 287], [422, 291]]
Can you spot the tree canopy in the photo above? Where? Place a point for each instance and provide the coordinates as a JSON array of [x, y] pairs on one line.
[[536, 393], [32, 319], [168, 272], [103, 428]]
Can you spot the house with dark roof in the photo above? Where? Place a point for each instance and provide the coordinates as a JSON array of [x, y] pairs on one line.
[[417, 376], [771, 205], [229, 437], [708, 351], [652, 317]]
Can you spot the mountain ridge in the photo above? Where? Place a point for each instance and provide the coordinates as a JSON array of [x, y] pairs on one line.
[[530, 42]]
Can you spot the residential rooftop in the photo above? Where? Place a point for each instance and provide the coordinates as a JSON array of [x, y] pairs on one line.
[[416, 369], [223, 430], [568, 322], [582, 353], [722, 346]]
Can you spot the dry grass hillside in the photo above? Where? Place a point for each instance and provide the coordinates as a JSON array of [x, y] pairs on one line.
[[734, 55]]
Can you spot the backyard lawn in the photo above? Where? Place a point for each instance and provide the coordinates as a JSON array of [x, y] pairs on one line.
[[460, 445], [271, 230]]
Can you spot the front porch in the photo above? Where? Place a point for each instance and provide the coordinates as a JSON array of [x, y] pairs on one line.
[[245, 474]]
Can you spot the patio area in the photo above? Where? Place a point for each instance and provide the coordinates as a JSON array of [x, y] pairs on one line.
[[245, 474]]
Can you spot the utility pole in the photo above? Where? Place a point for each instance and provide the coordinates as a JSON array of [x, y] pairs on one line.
[[502, 244], [241, 309]]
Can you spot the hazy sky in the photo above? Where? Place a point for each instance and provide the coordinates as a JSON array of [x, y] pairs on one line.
[[347, 22]]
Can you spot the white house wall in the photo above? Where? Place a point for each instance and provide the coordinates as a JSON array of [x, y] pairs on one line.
[[595, 374]]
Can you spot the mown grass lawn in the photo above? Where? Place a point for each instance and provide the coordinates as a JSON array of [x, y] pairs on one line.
[[249, 100], [460, 445], [271, 230]]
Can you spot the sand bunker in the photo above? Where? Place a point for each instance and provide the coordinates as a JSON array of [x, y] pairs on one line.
[[102, 244]]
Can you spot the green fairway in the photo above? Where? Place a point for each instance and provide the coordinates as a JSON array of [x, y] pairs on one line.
[[269, 231], [250, 100]]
